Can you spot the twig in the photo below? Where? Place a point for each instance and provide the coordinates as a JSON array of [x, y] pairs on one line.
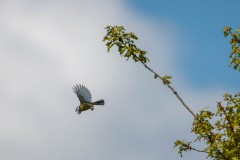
[[171, 88]]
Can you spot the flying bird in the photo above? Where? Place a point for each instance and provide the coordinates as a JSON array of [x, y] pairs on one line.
[[85, 98]]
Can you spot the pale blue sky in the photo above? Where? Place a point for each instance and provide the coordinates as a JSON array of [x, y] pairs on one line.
[[46, 47]]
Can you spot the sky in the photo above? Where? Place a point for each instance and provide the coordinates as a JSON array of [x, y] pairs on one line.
[[201, 24], [46, 47]]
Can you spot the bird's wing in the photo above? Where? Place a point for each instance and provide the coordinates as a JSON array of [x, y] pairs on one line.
[[83, 94]]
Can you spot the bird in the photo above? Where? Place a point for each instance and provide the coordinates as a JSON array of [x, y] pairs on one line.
[[85, 98]]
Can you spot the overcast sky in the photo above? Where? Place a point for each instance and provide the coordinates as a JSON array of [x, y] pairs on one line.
[[47, 46]]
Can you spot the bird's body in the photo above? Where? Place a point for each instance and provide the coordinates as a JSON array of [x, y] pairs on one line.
[[85, 106], [85, 98]]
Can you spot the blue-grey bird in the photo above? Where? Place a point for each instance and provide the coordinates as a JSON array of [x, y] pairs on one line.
[[85, 98]]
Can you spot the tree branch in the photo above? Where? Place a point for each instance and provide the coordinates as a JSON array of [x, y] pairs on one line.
[[170, 87]]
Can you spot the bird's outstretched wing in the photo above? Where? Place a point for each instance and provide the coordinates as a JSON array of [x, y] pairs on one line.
[[83, 94]]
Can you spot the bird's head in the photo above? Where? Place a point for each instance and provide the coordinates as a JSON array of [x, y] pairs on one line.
[[78, 109]]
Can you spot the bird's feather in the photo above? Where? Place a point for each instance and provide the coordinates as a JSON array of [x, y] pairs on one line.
[[83, 94]]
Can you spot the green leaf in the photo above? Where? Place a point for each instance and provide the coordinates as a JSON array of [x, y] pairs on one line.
[[166, 79], [117, 36]]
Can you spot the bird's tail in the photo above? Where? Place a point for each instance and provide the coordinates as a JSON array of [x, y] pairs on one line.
[[100, 102]]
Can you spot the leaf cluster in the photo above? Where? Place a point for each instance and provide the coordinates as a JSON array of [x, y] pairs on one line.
[[235, 42], [166, 79], [125, 42], [222, 137], [117, 36]]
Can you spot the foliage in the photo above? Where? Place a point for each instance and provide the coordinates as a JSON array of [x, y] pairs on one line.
[[235, 42], [118, 36], [220, 131], [222, 137]]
